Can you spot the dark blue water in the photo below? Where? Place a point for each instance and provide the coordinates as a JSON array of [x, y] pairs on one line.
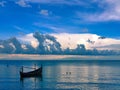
[[71, 75]]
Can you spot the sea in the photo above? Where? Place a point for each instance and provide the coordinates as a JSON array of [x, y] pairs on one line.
[[61, 75]]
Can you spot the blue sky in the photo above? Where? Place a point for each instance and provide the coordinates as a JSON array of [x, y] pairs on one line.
[[101, 17]]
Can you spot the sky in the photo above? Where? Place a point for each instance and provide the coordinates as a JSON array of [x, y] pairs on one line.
[[72, 22], [19, 17]]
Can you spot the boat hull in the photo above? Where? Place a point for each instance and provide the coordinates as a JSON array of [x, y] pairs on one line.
[[35, 73]]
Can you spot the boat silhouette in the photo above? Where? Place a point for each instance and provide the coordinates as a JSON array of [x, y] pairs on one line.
[[34, 73]]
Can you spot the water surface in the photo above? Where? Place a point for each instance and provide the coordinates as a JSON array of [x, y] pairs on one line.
[[72, 75]]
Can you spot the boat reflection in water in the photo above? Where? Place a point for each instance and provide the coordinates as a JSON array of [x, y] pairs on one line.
[[28, 83]]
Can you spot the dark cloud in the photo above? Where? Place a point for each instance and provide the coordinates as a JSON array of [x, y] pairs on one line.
[[55, 47], [89, 41], [101, 37]]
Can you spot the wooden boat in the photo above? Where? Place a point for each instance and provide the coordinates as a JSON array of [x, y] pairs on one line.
[[34, 73]]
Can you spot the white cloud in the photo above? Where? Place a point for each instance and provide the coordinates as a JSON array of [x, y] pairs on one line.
[[1, 46], [24, 47], [72, 40], [29, 39], [23, 3], [2, 3], [44, 12], [110, 12], [13, 46], [108, 43], [109, 47]]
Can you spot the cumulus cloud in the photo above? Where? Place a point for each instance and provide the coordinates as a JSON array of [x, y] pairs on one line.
[[28, 38], [108, 43], [23, 3], [2, 3], [66, 43], [63, 43], [11, 45], [72, 40], [45, 44]]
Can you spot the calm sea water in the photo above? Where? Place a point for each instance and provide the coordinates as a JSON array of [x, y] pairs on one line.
[[71, 75]]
